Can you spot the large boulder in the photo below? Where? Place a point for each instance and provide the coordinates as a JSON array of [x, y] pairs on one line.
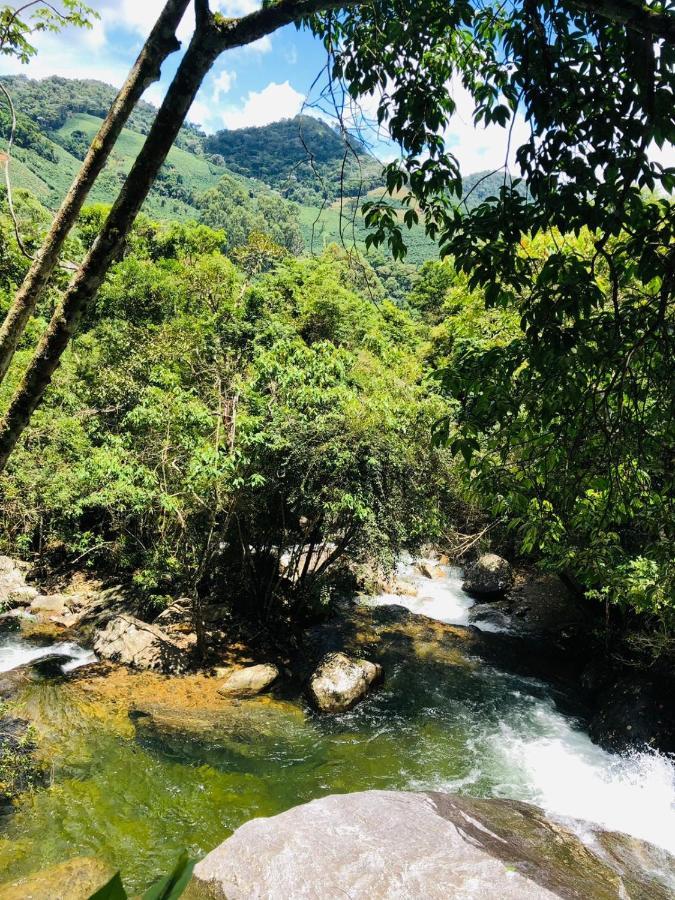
[[431, 845], [490, 575], [249, 681], [77, 879], [130, 641], [634, 710], [340, 681], [13, 588]]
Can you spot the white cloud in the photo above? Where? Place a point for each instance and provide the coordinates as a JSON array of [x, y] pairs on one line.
[[141, 15], [155, 94], [200, 113], [262, 45], [665, 155], [274, 102], [222, 84], [237, 7], [479, 148], [78, 62]]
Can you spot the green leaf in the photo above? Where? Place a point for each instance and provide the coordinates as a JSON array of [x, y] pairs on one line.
[[173, 885], [113, 890]]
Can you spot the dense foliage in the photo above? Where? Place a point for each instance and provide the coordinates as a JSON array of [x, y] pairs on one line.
[[304, 158], [210, 423], [566, 422], [240, 212], [570, 447]]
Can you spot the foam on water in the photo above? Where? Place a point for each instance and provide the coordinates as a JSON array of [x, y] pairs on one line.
[[440, 597], [560, 769], [536, 753], [15, 652]]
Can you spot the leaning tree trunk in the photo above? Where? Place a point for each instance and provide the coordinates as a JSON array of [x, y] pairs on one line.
[[196, 63], [213, 35], [161, 42]]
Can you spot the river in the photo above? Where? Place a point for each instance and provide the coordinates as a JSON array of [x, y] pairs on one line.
[[478, 730]]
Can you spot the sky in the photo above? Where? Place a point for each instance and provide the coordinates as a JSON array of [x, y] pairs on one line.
[[269, 80]]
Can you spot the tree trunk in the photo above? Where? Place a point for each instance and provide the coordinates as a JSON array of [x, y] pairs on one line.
[[197, 61], [213, 35], [161, 42]]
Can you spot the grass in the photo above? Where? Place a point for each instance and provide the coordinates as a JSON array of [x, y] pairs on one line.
[[49, 181]]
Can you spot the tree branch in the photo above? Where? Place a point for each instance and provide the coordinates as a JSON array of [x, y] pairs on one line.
[[245, 30], [635, 16]]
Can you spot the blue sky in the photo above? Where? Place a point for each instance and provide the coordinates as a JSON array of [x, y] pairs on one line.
[[255, 85]]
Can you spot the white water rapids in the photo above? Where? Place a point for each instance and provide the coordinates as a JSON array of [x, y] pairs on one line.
[[538, 754], [16, 652], [439, 598]]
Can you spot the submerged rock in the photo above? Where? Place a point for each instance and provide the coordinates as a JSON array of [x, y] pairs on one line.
[[18, 769], [339, 682], [489, 575], [130, 641], [249, 681], [77, 879], [254, 730], [431, 845]]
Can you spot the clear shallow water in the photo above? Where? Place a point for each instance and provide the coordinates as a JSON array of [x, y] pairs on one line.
[[137, 801]]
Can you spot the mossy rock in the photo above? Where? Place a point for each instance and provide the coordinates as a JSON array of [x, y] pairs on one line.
[[76, 879]]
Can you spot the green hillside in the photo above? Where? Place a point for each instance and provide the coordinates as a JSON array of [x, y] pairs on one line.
[[303, 158], [58, 117]]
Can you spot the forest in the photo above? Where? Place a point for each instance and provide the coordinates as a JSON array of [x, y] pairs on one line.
[[336, 490]]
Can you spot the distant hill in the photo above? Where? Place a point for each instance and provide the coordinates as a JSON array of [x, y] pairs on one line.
[[303, 158], [57, 119]]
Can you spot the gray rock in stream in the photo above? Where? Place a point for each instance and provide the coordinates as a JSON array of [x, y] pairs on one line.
[[130, 641], [381, 844], [339, 682], [249, 681], [489, 576], [14, 591]]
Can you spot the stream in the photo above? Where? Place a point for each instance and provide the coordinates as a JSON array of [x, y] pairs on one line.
[[138, 803]]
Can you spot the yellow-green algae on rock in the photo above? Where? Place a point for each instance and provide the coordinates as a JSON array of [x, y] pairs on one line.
[[76, 879]]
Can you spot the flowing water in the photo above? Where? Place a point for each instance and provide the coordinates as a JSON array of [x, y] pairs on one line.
[[137, 802]]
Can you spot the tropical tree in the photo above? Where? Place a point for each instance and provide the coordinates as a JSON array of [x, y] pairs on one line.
[[594, 80], [161, 42]]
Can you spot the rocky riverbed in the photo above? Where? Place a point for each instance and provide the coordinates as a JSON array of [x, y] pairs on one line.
[[143, 763]]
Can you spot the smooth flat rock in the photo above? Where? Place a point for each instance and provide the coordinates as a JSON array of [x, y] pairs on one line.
[[340, 681], [406, 846], [76, 879], [249, 681], [50, 605]]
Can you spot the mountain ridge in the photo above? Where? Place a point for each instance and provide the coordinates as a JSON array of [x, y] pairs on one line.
[[303, 160]]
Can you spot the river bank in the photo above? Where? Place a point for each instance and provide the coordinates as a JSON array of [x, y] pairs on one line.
[[143, 764]]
